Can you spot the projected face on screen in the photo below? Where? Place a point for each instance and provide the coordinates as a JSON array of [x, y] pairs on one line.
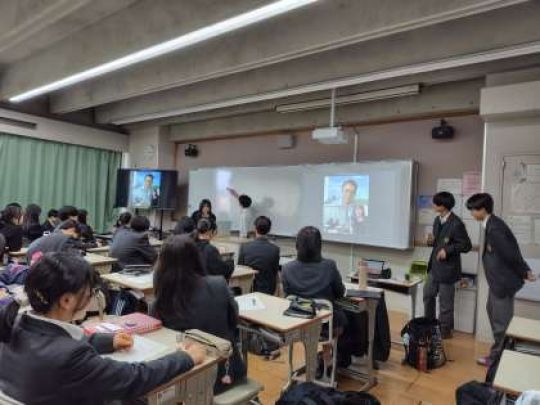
[[144, 190], [346, 202]]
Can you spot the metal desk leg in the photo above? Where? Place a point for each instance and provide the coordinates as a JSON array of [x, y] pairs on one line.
[[414, 294], [310, 339]]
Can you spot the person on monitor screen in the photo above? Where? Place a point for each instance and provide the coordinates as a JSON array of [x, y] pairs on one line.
[[354, 213], [450, 240], [147, 195], [506, 270]]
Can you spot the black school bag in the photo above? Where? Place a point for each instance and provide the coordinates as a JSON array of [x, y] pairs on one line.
[[313, 394], [423, 332], [476, 393]]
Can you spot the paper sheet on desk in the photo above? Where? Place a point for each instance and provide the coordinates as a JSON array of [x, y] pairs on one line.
[[249, 303], [143, 350]]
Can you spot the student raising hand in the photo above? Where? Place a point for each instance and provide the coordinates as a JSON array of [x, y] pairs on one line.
[[122, 341]]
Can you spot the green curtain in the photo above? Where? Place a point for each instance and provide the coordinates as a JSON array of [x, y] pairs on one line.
[[53, 174]]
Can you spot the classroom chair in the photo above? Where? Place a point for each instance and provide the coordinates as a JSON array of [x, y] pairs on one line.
[[243, 393], [5, 400]]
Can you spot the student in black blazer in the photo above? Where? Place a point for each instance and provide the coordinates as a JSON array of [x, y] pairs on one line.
[[44, 359], [132, 246], [212, 260], [263, 256], [51, 222], [504, 267], [204, 212], [11, 228], [450, 240], [187, 298], [31, 225]]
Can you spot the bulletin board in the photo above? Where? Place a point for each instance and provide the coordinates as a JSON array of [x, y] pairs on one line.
[[521, 211]]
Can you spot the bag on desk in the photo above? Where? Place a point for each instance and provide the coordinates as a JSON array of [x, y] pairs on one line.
[[219, 347], [301, 308]]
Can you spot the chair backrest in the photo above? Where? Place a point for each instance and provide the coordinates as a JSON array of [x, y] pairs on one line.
[[5, 400]]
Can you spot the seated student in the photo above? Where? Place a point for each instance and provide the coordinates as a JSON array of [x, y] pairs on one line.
[[45, 359], [51, 222], [67, 212], [204, 211], [87, 233], [10, 227], [31, 226], [183, 294], [212, 260], [122, 222], [186, 225], [132, 246], [65, 240], [263, 256]]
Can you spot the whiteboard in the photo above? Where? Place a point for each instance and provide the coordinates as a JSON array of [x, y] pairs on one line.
[[367, 203]]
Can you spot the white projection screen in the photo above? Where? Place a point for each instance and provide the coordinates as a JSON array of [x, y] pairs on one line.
[[368, 203]]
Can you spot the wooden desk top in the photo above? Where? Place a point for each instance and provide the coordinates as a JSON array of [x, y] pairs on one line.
[[354, 286], [272, 315], [524, 329], [146, 281], [96, 260], [19, 253], [392, 281], [517, 372]]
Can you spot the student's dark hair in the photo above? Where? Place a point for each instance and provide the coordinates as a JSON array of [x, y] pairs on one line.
[[82, 216], [14, 204], [50, 277], [205, 225], [185, 225], [179, 270], [140, 223], [444, 199], [69, 224], [150, 175], [351, 182], [263, 225], [124, 219], [309, 245], [31, 216], [10, 213], [52, 213], [479, 201], [66, 212], [245, 201], [205, 202]]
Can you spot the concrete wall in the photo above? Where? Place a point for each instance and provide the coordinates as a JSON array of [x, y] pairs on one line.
[[59, 131], [404, 140], [509, 130]]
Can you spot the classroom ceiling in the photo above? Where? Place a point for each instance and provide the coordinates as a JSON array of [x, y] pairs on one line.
[[375, 42]]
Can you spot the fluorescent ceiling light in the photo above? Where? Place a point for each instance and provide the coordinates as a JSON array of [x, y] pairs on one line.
[[351, 99], [191, 38]]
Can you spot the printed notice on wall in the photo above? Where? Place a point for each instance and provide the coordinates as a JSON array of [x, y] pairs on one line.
[[525, 198], [472, 183], [453, 186], [521, 226]]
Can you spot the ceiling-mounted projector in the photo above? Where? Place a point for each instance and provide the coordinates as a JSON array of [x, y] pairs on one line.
[[330, 135]]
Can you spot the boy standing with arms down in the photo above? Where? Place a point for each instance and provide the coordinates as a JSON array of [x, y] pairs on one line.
[[450, 240], [504, 267]]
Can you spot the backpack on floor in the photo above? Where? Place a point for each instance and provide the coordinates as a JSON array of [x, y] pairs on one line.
[[423, 344], [313, 394], [476, 393]]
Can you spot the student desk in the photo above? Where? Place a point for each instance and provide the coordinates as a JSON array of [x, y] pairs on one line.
[[195, 387], [289, 329], [242, 277], [524, 329], [102, 264], [517, 372], [104, 250], [19, 256], [363, 370]]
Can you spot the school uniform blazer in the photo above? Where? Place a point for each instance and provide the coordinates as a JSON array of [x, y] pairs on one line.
[[14, 236], [131, 247], [263, 256], [213, 262], [43, 364], [503, 263], [453, 238]]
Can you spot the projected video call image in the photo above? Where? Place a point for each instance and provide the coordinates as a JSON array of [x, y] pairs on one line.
[[346, 204], [144, 189]]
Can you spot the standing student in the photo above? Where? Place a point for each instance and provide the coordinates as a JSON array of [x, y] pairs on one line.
[[212, 260], [263, 256], [51, 222], [132, 246], [183, 292], [45, 359], [31, 226], [246, 212], [504, 267], [204, 212], [450, 240], [11, 228]]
